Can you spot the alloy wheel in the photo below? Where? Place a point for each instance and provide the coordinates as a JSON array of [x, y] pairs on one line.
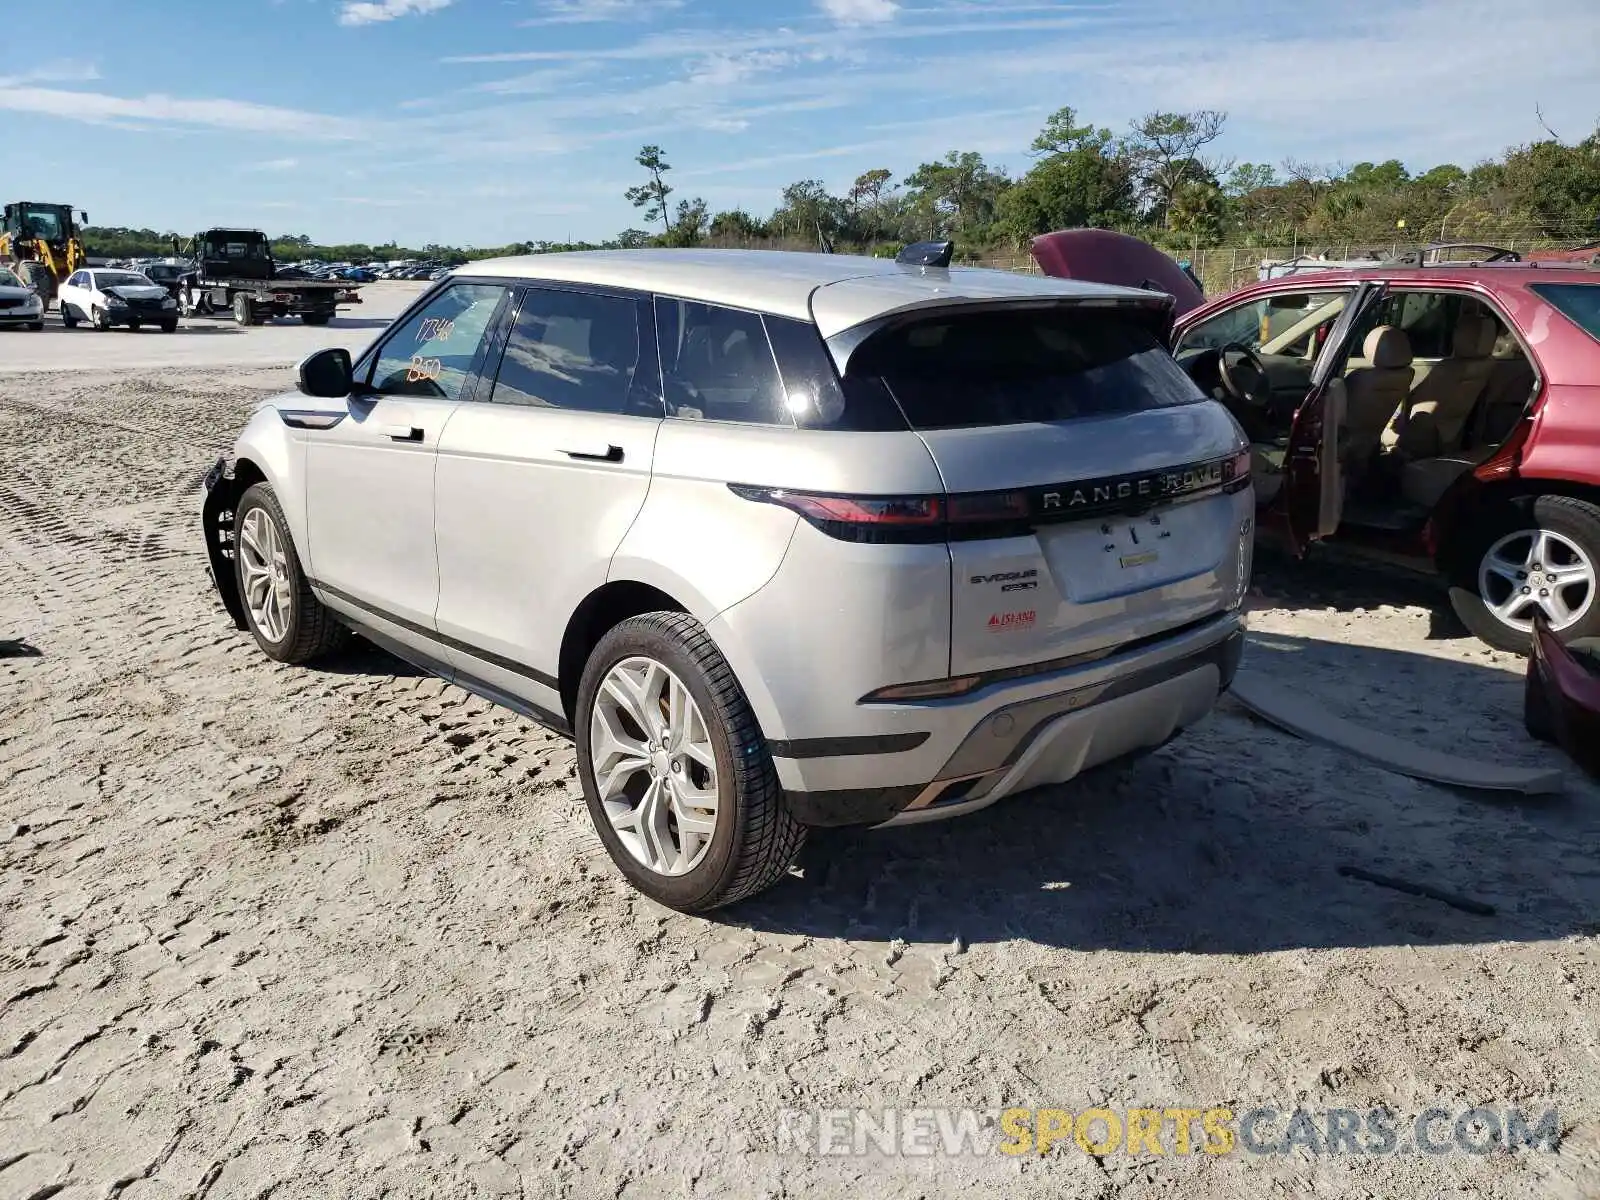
[[654, 766], [265, 564], [1536, 571]]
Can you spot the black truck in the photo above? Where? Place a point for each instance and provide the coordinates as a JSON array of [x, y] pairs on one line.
[[233, 269]]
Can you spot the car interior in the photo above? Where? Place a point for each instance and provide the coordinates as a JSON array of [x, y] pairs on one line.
[[1434, 383]]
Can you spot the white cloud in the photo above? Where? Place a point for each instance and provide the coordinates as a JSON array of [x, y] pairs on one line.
[[273, 164], [242, 115], [61, 70], [368, 12], [725, 70], [580, 12], [859, 12]]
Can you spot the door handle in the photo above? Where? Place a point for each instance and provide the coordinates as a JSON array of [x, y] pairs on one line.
[[403, 433], [611, 454]]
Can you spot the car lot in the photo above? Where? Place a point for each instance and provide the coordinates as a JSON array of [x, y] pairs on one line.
[[346, 931], [201, 341]]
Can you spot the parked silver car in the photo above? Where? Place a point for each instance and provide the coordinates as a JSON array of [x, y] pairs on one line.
[[784, 540]]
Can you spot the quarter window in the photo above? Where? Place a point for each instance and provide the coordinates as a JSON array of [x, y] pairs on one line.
[[717, 365], [433, 354], [580, 351]]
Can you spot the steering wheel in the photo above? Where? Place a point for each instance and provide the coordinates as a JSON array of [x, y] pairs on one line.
[[1243, 376]]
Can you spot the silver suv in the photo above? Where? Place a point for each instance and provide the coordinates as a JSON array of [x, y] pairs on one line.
[[783, 540]]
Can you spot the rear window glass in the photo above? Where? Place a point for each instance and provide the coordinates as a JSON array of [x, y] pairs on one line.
[[1012, 368], [1578, 302]]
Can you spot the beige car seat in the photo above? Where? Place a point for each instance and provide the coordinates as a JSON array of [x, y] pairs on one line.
[[1375, 393], [1433, 421]]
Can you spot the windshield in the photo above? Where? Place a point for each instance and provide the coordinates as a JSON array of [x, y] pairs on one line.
[[1010, 368], [7, 279], [235, 248], [105, 279], [1578, 302], [46, 223]]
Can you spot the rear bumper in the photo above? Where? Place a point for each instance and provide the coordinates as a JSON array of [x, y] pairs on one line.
[[1040, 731]]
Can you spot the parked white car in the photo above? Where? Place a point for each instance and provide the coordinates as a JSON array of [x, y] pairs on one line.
[[104, 298], [783, 540], [19, 303]]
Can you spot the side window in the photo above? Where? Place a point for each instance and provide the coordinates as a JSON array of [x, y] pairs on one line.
[[717, 365], [580, 351], [1286, 324], [431, 354]]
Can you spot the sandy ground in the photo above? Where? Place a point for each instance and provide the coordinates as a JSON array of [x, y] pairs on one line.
[[345, 932]]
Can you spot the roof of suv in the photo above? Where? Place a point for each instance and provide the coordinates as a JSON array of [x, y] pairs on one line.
[[783, 283]]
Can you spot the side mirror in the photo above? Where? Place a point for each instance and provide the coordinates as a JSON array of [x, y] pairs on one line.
[[325, 373], [83, 218]]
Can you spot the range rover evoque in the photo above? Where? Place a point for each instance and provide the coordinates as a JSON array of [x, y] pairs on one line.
[[783, 540]]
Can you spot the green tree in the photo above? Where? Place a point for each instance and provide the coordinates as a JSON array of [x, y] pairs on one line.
[[736, 225], [1062, 135], [1076, 189], [1166, 147], [651, 196], [957, 194], [689, 225]]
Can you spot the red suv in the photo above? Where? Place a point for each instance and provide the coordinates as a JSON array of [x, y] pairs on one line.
[[1465, 403]]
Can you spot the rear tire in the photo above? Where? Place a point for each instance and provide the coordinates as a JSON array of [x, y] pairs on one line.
[[753, 838], [244, 311], [298, 628], [169, 327], [316, 318], [1573, 524], [37, 326], [67, 318]]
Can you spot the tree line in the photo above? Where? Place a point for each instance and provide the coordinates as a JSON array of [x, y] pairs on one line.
[[1166, 177]]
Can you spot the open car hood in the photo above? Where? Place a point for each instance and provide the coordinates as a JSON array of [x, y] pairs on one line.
[[1561, 703], [1105, 256]]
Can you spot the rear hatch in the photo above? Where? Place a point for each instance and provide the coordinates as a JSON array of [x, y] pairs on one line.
[[1095, 496]]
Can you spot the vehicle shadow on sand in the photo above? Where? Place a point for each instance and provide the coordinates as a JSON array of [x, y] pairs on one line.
[[1231, 840], [1334, 581]]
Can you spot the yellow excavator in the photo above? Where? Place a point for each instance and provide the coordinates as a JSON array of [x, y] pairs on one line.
[[42, 244]]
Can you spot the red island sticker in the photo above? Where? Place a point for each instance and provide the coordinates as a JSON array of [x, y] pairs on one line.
[[1013, 620]]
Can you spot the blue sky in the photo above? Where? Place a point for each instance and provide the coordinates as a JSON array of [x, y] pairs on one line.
[[487, 121]]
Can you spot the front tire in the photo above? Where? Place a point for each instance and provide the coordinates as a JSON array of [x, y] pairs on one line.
[[101, 319], [1536, 554], [289, 623], [169, 327], [675, 771]]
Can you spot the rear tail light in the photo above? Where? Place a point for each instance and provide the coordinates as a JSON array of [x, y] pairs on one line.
[[1236, 472], [902, 519], [970, 516]]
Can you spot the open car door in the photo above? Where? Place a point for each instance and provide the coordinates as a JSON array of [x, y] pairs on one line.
[[1313, 490]]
